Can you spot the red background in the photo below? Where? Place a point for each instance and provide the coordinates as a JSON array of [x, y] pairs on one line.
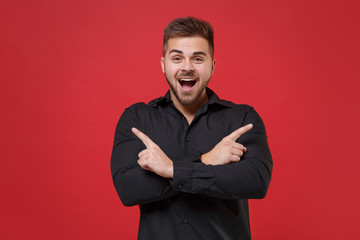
[[69, 68]]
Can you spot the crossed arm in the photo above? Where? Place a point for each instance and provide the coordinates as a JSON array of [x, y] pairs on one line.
[[155, 160], [218, 173]]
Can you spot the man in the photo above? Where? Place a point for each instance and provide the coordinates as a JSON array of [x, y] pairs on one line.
[[189, 159]]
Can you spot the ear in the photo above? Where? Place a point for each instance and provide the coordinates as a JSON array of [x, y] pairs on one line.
[[162, 64], [213, 66]]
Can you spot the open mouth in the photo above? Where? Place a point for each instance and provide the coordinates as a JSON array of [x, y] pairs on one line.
[[187, 83]]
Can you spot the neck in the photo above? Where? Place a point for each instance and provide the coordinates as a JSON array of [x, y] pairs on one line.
[[189, 111]]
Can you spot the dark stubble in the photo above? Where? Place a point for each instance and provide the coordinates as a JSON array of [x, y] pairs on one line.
[[186, 99]]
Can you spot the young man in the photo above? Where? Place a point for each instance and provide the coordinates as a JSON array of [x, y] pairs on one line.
[[189, 159]]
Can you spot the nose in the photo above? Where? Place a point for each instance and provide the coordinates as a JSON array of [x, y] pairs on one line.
[[188, 65]]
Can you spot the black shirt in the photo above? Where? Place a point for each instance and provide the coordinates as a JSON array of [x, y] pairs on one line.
[[201, 201]]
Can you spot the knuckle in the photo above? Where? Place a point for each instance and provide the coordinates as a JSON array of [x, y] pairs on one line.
[[227, 142]]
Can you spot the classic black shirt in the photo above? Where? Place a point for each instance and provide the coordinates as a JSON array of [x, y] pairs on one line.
[[201, 201]]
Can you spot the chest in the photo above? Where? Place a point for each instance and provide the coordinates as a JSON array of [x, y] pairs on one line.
[[179, 140]]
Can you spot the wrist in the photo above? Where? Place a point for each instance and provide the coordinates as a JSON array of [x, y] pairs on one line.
[[171, 171], [203, 158]]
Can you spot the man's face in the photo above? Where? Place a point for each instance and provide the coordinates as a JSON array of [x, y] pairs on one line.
[[188, 67]]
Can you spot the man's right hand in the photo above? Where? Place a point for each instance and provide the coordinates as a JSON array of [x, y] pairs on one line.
[[227, 150]]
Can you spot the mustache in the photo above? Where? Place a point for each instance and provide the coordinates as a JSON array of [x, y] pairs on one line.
[[188, 74]]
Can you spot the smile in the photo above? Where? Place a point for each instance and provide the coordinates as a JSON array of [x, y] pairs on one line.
[[187, 84]]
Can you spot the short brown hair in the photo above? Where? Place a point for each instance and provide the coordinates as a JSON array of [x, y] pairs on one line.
[[188, 27]]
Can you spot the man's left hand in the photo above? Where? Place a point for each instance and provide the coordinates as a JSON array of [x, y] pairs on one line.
[[153, 158]]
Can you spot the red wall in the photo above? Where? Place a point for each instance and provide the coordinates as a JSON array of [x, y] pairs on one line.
[[69, 68]]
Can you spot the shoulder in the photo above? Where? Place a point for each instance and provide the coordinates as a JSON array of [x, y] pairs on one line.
[[132, 115], [227, 106], [137, 107], [141, 109], [245, 112], [235, 108], [141, 106], [135, 110]]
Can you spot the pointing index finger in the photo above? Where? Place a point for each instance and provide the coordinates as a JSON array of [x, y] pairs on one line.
[[145, 139], [240, 131]]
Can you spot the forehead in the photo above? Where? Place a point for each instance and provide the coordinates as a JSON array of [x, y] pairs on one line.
[[188, 45]]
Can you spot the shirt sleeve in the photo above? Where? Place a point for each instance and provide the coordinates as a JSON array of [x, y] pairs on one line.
[[133, 184], [247, 179]]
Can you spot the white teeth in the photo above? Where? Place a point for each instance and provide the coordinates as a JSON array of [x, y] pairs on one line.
[[187, 80]]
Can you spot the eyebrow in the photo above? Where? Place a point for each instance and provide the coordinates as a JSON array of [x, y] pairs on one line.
[[181, 52], [199, 53], [176, 51]]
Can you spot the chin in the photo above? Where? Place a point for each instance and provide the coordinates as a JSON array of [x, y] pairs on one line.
[[186, 102], [189, 99]]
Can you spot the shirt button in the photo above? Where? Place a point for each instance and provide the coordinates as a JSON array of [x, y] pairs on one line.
[[188, 139], [186, 220], [180, 186]]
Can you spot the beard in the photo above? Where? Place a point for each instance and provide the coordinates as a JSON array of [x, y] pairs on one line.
[[187, 98]]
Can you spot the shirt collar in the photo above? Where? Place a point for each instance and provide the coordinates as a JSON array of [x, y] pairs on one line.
[[213, 99]]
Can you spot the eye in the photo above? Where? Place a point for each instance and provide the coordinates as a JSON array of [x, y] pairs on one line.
[[176, 59], [198, 59]]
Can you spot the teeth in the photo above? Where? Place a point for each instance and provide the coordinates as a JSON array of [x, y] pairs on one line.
[[187, 80]]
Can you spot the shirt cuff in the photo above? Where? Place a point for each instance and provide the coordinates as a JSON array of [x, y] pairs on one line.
[[182, 176], [187, 172], [183, 172]]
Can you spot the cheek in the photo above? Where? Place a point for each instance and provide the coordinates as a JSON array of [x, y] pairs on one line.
[[204, 72], [170, 70]]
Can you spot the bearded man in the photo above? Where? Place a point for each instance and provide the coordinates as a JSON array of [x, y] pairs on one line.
[[189, 159]]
